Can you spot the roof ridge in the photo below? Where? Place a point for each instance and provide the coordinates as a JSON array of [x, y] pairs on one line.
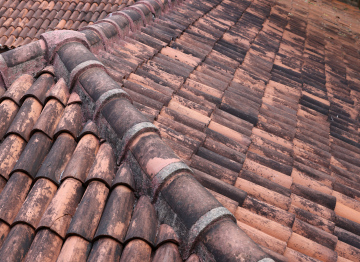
[[72, 55]]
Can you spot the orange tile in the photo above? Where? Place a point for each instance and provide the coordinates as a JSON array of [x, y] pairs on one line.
[[347, 212], [263, 224], [311, 248], [263, 239], [264, 194]]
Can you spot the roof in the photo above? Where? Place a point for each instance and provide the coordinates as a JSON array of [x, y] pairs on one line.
[[23, 22], [212, 130]]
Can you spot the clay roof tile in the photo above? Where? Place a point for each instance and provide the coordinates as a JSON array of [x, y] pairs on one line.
[[70, 121], [24, 233], [144, 211], [67, 15], [2, 10], [59, 91], [136, 249], [53, 24], [79, 6], [44, 241], [45, 24], [8, 22], [115, 221], [15, 14], [166, 234], [86, 7], [85, 222], [68, 24], [57, 6], [94, 17], [35, 6], [60, 206], [85, 153], [37, 195], [100, 7], [8, 12], [112, 247], [74, 16], [74, 98], [104, 165], [72, 7], [49, 118], [43, 5], [51, 5], [93, 7], [61, 24], [44, 14], [18, 89], [10, 41], [57, 159], [26, 118], [74, 246], [33, 154]]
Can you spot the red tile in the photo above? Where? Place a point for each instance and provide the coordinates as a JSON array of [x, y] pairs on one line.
[[26, 118], [144, 212], [265, 225], [58, 215], [82, 158], [89, 210], [323, 238], [49, 118], [117, 214], [19, 238], [4, 231], [70, 121], [311, 248], [45, 247], [263, 239], [105, 249], [136, 250], [33, 155], [74, 249], [36, 202], [13, 196], [11, 149], [167, 252]]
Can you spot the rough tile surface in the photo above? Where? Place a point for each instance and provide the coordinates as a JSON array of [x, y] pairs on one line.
[[23, 22], [214, 130]]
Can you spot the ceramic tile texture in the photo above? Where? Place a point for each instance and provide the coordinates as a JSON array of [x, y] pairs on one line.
[[61, 198], [259, 98], [22, 22]]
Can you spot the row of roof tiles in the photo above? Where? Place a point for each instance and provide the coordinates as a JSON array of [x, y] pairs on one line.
[[22, 22], [61, 179]]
